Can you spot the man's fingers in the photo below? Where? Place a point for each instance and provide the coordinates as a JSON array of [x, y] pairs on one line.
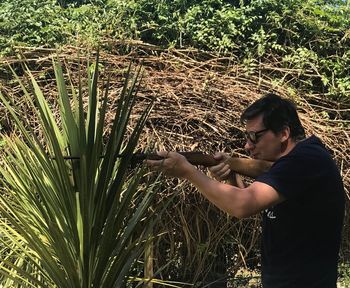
[[217, 168], [220, 171], [224, 174], [220, 168], [164, 154], [167, 163], [220, 156], [157, 163], [172, 164]]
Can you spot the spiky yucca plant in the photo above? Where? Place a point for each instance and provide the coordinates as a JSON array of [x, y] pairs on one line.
[[71, 213]]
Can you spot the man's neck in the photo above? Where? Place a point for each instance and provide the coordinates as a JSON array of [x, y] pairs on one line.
[[289, 147]]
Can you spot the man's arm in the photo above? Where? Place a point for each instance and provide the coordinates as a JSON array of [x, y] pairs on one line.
[[238, 202]]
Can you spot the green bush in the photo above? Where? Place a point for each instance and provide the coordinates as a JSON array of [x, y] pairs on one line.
[[30, 22], [310, 35]]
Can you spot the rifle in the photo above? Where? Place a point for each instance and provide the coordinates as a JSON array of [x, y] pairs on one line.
[[243, 166]]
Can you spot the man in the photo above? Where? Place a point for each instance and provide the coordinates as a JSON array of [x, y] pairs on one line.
[[301, 196]]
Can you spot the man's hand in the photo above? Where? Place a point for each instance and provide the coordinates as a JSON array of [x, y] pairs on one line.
[[173, 164], [221, 171]]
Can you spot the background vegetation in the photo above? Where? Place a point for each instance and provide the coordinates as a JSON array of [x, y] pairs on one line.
[[301, 44], [311, 37]]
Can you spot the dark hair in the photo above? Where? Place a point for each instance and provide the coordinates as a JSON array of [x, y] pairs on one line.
[[277, 113]]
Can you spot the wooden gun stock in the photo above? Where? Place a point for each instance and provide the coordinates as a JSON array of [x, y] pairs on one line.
[[247, 167]]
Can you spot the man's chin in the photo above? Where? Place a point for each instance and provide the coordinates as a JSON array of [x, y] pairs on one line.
[[259, 157]]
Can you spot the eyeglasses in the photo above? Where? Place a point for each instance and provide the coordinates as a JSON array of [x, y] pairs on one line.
[[254, 136]]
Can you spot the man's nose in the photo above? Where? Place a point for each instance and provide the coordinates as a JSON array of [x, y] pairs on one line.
[[249, 146]]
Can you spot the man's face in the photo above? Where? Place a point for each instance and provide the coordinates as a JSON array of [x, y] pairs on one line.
[[266, 145]]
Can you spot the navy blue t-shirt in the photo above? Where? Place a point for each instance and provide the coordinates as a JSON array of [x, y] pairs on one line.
[[301, 236]]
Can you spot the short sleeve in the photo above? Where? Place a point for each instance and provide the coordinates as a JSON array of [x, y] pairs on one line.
[[294, 175]]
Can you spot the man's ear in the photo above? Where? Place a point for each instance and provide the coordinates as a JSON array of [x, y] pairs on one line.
[[285, 133]]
